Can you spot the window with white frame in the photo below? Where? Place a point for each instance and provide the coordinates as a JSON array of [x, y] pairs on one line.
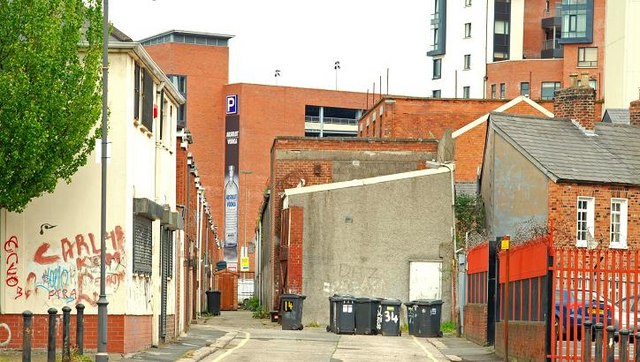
[[618, 229], [467, 30], [585, 217]]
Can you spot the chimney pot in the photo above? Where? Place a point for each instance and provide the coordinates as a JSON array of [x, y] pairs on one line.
[[573, 77], [584, 79], [634, 113]]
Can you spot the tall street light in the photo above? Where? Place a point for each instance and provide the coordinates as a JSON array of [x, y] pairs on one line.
[[102, 355], [336, 66], [276, 75]]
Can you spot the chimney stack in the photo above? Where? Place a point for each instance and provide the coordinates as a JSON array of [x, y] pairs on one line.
[[577, 102], [634, 113]]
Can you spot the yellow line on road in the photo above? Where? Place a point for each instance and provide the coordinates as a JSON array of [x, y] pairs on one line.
[[424, 349], [247, 335]]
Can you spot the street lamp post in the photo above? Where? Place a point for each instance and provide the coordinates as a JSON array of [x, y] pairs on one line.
[[277, 75], [102, 355]]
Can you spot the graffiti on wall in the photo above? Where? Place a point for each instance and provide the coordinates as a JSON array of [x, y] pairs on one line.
[[68, 271], [357, 279], [11, 263], [5, 341]]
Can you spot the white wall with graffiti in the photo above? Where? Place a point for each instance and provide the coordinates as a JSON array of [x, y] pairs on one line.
[[51, 251]]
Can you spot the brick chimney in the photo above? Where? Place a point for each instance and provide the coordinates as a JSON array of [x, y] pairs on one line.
[[577, 102], [634, 113]]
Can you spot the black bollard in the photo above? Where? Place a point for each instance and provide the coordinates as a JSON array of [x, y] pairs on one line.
[[66, 331], [623, 346], [80, 328], [51, 346], [611, 348], [599, 342], [586, 341], [27, 333]]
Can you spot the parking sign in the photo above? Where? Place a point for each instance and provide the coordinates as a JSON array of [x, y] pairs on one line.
[[232, 104]]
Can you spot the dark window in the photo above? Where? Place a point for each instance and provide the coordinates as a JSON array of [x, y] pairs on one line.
[[142, 245], [435, 93], [577, 21], [587, 57], [503, 90], [548, 90], [467, 30], [466, 92], [136, 92], [493, 91], [438, 27], [524, 89], [167, 252], [180, 81], [147, 100], [467, 61], [437, 68]]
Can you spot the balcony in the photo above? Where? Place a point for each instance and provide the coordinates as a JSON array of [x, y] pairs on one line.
[[435, 20], [552, 48], [332, 120]]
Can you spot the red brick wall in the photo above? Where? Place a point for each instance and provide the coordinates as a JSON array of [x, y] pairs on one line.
[[534, 71], [526, 340], [533, 36], [563, 199], [634, 113], [294, 267], [171, 333], [475, 323], [577, 103], [126, 334]]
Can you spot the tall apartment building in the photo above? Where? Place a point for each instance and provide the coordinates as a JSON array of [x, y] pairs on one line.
[[522, 47]]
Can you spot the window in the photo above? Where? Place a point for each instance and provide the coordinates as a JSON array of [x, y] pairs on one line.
[[136, 92], [180, 81], [467, 61], [467, 2], [587, 57], [585, 221], [436, 37], [618, 223], [501, 27], [467, 30], [435, 93], [437, 67], [147, 100], [524, 89], [548, 90], [493, 91], [503, 90], [466, 92], [577, 21]]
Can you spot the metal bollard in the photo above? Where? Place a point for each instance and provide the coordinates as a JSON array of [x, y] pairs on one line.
[[80, 328], [66, 343], [635, 347], [623, 345], [611, 347], [586, 341], [51, 345], [599, 342], [27, 333]]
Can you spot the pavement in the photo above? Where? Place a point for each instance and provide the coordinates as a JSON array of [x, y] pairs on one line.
[[236, 336]]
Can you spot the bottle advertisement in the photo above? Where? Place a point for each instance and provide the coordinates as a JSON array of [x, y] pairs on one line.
[[231, 185]]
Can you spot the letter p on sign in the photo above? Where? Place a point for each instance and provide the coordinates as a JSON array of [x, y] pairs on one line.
[[232, 104]]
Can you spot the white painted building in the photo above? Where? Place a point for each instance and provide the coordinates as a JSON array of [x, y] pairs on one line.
[[622, 51], [55, 241]]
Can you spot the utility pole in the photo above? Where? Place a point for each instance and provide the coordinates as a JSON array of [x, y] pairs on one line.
[[336, 66], [102, 355]]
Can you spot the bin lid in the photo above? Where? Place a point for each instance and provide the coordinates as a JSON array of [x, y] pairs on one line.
[[293, 296], [427, 302], [391, 302], [364, 300], [343, 298]]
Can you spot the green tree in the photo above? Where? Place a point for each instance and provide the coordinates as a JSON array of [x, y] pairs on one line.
[[50, 93], [470, 216]]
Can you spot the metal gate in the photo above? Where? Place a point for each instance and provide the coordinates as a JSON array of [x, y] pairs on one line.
[[594, 286]]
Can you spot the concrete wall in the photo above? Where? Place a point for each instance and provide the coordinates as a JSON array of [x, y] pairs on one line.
[[514, 190], [360, 240]]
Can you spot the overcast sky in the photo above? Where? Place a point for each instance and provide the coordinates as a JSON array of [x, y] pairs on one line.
[[301, 38]]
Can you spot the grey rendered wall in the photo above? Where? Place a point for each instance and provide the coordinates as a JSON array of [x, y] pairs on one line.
[[518, 191], [360, 240]]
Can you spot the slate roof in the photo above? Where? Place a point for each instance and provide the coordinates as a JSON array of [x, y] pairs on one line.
[[616, 116], [565, 153]]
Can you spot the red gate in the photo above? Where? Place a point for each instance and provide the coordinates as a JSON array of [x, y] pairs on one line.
[[597, 285]]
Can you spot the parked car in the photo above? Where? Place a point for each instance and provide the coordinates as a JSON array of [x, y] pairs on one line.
[[575, 309], [628, 306]]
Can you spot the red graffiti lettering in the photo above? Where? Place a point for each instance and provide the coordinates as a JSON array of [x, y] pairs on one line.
[[93, 244], [18, 293], [12, 240], [42, 259], [31, 285], [67, 249], [10, 256], [12, 281], [81, 243]]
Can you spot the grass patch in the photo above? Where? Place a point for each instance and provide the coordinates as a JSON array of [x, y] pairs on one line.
[[448, 327], [313, 324], [261, 313]]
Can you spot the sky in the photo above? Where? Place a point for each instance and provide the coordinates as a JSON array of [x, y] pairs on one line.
[[301, 38]]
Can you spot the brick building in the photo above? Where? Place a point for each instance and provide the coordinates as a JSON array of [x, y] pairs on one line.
[[425, 118], [297, 161]]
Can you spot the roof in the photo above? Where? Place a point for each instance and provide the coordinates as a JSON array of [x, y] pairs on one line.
[[502, 108], [616, 116], [561, 150], [189, 37]]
